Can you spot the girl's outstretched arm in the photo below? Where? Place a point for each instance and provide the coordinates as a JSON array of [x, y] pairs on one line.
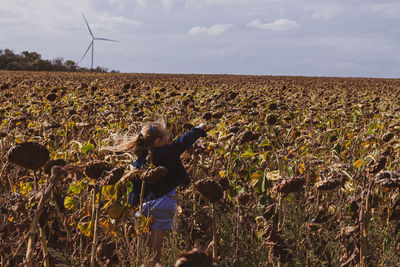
[[140, 162], [188, 139], [133, 198]]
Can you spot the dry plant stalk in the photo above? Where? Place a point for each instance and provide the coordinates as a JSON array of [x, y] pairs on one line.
[[364, 219], [96, 223], [60, 215], [81, 235], [140, 212], [235, 255], [141, 198], [43, 243], [94, 193], [57, 173], [214, 234], [8, 178]]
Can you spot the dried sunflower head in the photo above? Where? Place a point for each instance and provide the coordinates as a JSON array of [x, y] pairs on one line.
[[388, 179], [209, 189], [53, 162], [113, 176], [377, 166], [152, 176], [290, 185], [30, 155], [194, 258], [95, 169], [329, 184]]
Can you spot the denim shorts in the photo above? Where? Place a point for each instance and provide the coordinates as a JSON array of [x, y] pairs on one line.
[[163, 211]]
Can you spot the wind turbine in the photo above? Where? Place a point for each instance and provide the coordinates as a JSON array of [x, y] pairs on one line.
[[92, 42]]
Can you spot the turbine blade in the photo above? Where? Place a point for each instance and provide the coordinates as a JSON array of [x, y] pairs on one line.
[[86, 51], [87, 24], [104, 39]]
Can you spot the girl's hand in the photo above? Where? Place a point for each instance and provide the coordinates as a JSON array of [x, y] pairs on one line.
[[202, 126]]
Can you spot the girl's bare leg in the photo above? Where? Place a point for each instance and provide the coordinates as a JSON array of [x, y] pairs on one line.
[[156, 241]]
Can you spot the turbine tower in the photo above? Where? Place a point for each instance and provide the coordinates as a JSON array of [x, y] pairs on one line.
[[91, 45]]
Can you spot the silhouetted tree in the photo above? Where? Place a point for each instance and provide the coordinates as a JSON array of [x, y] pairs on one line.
[[71, 65], [33, 61]]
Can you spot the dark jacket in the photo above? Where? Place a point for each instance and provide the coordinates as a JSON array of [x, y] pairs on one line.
[[167, 156]]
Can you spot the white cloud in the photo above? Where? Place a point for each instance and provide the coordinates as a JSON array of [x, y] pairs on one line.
[[324, 12], [219, 28], [197, 30], [214, 30], [277, 25], [107, 18], [154, 4], [108, 22], [205, 3]]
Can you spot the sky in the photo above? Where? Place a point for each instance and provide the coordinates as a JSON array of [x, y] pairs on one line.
[[342, 38]]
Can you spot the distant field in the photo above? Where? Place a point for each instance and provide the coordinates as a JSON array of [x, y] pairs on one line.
[[301, 162]]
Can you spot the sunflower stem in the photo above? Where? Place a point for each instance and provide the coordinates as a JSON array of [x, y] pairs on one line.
[[214, 234], [235, 255], [140, 212], [39, 210], [61, 217], [35, 186], [43, 242], [8, 177], [96, 222], [81, 237], [141, 198], [364, 220], [94, 192]]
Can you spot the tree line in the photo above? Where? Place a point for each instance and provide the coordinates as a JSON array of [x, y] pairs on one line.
[[32, 61]]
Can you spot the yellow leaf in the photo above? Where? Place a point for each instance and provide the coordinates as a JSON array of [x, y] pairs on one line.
[[254, 179], [107, 227], [348, 144], [358, 163], [85, 228], [385, 189], [301, 168], [70, 203], [350, 135], [221, 125], [222, 173], [212, 132], [70, 221]]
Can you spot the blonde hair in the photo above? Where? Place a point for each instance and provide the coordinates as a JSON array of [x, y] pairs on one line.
[[141, 142]]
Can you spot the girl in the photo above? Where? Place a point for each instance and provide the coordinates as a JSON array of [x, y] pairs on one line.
[[151, 144]]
